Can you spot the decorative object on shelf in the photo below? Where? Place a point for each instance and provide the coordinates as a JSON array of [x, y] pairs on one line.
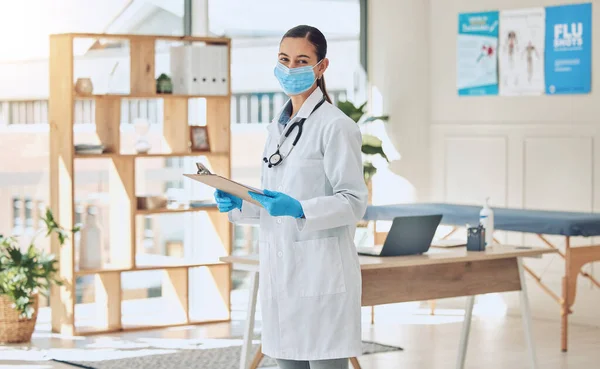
[[175, 199], [371, 145], [164, 85], [151, 202], [89, 149], [199, 138], [175, 249], [91, 249], [84, 86], [142, 126], [23, 276], [202, 203]]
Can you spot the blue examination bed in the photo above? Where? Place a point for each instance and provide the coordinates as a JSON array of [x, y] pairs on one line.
[[516, 220]]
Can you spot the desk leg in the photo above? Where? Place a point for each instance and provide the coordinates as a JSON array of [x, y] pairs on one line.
[[249, 330], [464, 335], [432, 307], [566, 304], [526, 316], [372, 315]]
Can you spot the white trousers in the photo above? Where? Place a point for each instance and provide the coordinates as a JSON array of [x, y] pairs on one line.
[[315, 364]]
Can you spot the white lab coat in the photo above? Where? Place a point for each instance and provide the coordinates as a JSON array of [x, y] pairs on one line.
[[309, 280]]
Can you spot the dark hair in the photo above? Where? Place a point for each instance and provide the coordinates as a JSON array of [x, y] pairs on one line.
[[316, 38]]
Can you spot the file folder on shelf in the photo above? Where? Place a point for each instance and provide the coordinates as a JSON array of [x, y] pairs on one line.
[[224, 184], [200, 70]]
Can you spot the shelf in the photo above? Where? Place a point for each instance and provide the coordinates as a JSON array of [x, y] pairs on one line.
[[207, 207], [88, 330], [119, 36], [151, 262], [148, 96], [151, 155]]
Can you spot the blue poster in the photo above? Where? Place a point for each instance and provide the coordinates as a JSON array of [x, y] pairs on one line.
[[568, 66], [477, 62]]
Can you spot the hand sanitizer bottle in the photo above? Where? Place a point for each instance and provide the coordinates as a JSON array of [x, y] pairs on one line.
[[486, 219]]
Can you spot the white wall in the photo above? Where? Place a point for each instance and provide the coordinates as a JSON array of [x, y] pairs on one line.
[[531, 152], [398, 69]]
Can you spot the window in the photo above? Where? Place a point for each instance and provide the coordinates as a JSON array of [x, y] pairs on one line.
[[174, 163], [41, 213], [28, 213], [17, 212], [148, 234]]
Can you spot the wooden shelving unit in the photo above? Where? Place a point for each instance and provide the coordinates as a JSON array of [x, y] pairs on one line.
[[111, 317]]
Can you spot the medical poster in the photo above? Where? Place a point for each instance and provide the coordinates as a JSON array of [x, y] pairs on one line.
[[569, 49], [477, 63], [521, 52]]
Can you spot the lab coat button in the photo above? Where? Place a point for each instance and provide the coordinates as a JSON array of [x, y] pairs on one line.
[[280, 188], [279, 254], [278, 221]]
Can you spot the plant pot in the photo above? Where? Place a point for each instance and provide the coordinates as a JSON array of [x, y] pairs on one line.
[[13, 328], [164, 85]]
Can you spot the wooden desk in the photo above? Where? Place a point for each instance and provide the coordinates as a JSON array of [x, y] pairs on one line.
[[440, 273]]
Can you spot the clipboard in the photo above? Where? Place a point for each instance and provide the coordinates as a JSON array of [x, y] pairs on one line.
[[224, 184]]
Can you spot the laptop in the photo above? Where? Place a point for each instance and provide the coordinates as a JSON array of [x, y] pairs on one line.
[[409, 235]]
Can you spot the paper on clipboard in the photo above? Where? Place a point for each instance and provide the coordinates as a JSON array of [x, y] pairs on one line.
[[224, 184]]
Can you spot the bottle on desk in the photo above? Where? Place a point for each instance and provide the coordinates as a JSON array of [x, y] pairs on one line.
[[486, 219]]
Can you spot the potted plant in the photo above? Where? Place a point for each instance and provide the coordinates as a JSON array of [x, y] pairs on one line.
[[24, 274], [164, 85], [371, 145]]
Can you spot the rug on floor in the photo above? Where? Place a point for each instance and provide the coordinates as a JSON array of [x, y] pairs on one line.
[[227, 357]]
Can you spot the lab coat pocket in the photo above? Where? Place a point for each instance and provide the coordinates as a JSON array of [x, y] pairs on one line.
[[319, 268], [264, 275]]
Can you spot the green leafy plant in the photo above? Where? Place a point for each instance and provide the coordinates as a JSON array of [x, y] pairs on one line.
[[164, 85], [23, 274], [371, 145]]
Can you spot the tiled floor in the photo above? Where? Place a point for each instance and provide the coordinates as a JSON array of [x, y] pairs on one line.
[[430, 342]]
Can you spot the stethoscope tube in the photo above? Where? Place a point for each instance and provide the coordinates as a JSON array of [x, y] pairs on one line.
[[276, 158]]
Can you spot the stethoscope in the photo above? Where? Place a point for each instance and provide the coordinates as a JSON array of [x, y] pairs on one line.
[[277, 158]]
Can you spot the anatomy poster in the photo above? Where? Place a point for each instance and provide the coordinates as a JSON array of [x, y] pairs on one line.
[[477, 63], [521, 51], [569, 49]]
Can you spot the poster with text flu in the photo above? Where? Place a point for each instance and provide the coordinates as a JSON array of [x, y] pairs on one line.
[[569, 49], [521, 52], [477, 65]]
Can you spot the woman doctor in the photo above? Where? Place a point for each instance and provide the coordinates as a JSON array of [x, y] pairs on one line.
[[310, 281]]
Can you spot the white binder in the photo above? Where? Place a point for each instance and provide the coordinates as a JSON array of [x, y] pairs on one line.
[[222, 70], [179, 70], [200, 70]]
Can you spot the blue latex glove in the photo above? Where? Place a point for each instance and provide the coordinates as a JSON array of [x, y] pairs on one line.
[[279, 204], [227, 202]]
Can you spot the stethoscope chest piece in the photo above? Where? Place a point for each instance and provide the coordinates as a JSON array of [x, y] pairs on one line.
[[274, 159]]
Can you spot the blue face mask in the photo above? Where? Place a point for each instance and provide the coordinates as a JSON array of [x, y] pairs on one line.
[[296, 80]]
